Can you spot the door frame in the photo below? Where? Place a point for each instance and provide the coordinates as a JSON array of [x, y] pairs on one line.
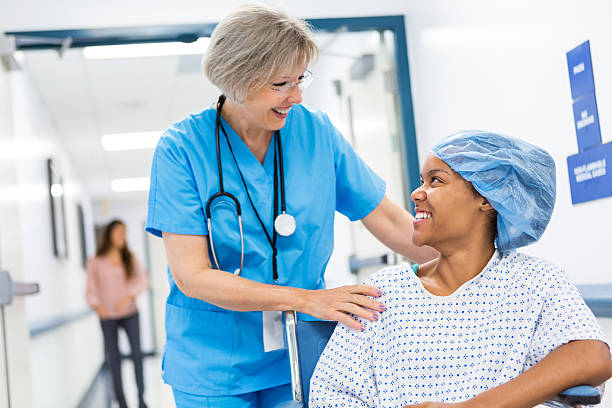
[[78, 38]]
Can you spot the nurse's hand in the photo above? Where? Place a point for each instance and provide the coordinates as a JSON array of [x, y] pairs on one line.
[[340, 303]]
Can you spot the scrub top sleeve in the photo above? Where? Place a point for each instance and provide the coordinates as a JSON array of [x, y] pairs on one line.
[[359, 189], [174, 202], [564, 317]]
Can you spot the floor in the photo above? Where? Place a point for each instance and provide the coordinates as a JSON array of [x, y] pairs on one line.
[[157, 394]]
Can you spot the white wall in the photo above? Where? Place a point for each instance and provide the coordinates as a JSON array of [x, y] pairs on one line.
[[62, 362], [14, 339], [511, 77]]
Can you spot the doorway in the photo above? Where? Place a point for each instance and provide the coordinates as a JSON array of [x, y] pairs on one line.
[[361, 82]]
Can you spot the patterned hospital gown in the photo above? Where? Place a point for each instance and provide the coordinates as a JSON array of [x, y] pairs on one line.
[[451, 348]]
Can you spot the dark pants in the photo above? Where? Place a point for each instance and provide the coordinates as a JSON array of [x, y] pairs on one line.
[[110, 330]]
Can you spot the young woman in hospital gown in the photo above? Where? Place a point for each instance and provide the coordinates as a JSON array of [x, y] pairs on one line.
[[482, 325]]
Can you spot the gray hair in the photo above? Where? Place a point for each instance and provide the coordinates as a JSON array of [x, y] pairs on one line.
[[254, 43]]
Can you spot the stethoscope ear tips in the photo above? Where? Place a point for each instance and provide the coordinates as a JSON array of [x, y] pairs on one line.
[[237, 271]]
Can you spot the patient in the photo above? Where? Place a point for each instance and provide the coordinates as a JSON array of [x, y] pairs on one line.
[[481, 325]]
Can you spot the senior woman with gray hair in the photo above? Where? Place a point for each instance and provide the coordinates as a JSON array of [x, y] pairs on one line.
[[253, 183]]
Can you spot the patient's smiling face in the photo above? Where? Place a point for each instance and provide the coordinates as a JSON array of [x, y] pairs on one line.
[[448, 210]]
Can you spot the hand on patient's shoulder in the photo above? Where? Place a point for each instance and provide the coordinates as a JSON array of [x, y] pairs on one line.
[[350, 305]]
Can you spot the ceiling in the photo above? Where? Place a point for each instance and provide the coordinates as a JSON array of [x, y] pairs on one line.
[[87, 98]]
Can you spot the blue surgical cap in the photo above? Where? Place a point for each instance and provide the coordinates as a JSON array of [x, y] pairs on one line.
[[517, 178]]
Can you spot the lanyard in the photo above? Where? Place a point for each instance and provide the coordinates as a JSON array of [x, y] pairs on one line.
[[271, 240]]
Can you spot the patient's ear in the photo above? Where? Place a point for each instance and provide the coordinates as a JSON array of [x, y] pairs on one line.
[[485, 205]]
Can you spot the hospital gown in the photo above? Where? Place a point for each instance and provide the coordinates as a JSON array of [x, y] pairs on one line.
[[451, 348]]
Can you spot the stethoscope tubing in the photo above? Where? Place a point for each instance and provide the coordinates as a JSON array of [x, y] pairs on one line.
[[222, 193], [282, 174], [212, 244]]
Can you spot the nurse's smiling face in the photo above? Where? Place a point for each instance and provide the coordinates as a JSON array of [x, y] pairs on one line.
[[268, 108], [448, 211]]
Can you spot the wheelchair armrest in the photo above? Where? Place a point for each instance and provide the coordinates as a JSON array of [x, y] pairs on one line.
[[581, 395], [290, 404]]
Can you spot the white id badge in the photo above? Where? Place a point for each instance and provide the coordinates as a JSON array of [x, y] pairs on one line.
[[273, 330]]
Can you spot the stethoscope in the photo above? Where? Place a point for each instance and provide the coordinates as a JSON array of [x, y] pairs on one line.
[[284, 224]]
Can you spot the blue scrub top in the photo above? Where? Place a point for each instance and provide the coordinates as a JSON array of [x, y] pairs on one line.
[[214, 351]]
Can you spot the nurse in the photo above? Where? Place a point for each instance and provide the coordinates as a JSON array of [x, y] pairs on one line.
[[231, 277]]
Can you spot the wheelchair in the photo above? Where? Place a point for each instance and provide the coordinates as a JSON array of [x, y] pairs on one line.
[[307, 340]]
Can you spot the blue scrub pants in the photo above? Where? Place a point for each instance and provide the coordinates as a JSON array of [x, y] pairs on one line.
[[268, 398]]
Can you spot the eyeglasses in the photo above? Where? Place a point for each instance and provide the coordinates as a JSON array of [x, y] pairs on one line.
[[283, 88]]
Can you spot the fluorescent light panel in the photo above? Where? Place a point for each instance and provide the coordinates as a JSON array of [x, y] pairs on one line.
[[124, 185], [130, 141], [146, 49]]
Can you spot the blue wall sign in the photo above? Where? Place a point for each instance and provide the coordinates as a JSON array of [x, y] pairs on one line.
[[586, 121], [580, 70], [590, 173]]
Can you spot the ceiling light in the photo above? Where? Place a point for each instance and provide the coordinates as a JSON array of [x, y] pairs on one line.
[[130, 141], [124, 185], [146, 49]]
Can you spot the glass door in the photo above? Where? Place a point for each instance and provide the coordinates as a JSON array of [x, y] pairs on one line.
[[356, 85]]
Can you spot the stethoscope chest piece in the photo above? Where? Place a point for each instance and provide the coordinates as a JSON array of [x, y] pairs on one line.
[[284, 224]]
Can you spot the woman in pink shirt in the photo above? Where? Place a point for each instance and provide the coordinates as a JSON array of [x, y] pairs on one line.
[[114, 279]]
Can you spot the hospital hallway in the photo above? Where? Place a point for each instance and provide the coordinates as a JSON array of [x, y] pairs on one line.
[[89, 89], [157, 394]]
